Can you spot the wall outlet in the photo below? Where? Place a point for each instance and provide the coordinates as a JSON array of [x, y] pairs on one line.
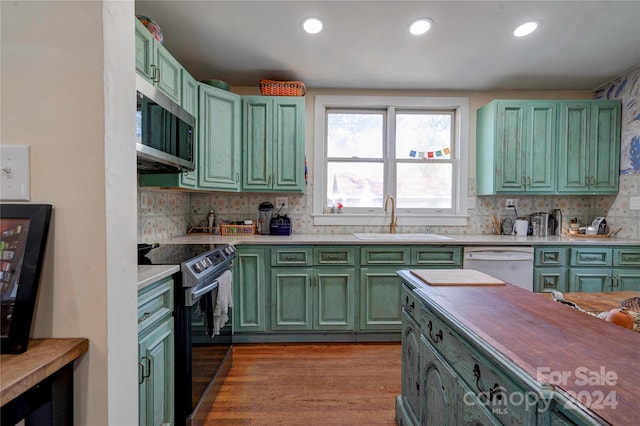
[[511, 202], [634, 203], [282, 202]]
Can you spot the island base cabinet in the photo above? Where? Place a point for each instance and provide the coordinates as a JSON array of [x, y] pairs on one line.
[[439, 399], [411, 369]]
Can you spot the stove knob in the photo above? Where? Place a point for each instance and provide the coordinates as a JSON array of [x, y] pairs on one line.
[[196, 267]]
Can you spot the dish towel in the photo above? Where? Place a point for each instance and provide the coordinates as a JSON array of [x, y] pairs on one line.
[[222, 300]]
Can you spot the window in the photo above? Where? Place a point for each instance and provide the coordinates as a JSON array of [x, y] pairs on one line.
[[412, 148]]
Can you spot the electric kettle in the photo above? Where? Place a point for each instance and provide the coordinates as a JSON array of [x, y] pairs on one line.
[[542, 224], [265, 211]]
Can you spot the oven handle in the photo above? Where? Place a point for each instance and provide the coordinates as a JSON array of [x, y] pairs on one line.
[[204, 290]]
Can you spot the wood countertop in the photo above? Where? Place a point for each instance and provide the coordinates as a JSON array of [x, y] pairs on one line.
[[20, 372], [536, 335]]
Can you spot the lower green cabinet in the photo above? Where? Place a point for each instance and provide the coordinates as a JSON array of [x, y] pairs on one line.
[[587, 269], [380, 304], [156, 354], [411, 368], [308, 299], [249, 303], [439, 399]]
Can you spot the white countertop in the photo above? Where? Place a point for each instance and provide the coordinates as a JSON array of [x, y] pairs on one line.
[[149, 274], [504, 240]]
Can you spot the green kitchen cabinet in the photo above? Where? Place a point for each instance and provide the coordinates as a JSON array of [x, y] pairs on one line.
[[156, 64], [156, 354], [273, 143], [219, 139], [315, 298], [410, 366], [250, 286], [380, 304], [550, 269], [515, 147], [439, 399], [589, 147]]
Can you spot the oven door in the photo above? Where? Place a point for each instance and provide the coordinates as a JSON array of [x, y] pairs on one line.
[[206, 359]]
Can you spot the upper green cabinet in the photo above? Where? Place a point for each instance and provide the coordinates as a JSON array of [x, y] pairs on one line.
[[273, 143], [515, 147], [156, 64], [218, 139], [589, 147], [548, 147]]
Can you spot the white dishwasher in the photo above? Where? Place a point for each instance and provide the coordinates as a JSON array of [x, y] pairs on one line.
[[510, 264]]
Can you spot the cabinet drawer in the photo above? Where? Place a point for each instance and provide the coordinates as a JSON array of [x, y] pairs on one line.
[[333, 255], [410, 303], [491, 386], [291, 256], [551, 256], [438, 257], [154, 303], [391, 255], [549, 279], [591, 256], [626, 257]]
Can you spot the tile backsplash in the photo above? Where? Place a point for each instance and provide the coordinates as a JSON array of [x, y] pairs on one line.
[[166, 213]]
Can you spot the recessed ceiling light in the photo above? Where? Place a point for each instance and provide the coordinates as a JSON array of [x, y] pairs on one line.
[[526, 28], [420, 26], [312, 25]]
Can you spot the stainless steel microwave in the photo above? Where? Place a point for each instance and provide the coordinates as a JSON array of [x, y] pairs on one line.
[[164, 132]]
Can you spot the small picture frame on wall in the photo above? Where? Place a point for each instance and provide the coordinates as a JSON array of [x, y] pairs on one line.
[[23, 239]]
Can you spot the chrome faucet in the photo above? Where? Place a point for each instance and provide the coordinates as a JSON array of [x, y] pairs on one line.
[[394, 219]]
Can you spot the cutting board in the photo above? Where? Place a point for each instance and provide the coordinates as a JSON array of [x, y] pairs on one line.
[[455, 277]]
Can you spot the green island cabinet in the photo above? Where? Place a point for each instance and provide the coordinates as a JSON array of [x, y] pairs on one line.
[[548, 147], [156, 354], [156, 64], [587, 268], [273, 129], [451, 375], [589, 147]]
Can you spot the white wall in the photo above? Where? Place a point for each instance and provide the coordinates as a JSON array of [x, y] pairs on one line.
[[67, 91]]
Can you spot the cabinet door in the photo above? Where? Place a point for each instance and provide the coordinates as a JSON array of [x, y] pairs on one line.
[[540, 147], [288, 146], [590, 280], [604, 147], [250, 290], [218, 139], [257, 143], [334, 299], [380, 299], [168, 78], [145, 52], [438, 402], [573, 146], [510, 134], [156, 358], [411, 367], [291, 299], [472, 412], [626, 279]]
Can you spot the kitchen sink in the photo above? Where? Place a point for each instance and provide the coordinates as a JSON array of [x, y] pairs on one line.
[[388, 236]]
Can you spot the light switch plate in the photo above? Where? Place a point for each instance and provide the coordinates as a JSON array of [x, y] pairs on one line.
[[634, 203], [14, 164]]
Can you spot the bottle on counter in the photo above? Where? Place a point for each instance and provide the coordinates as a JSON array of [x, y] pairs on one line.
[[557, 215], [211, 219]]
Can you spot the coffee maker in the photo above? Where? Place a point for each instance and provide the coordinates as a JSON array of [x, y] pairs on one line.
[[542, 224], [265, 212]]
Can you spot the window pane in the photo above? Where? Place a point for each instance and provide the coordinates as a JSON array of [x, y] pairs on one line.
[[423, 135], [355, 184], [354, 135], [425, 185]]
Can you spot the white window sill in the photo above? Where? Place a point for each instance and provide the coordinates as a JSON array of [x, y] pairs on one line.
[[403, 220]]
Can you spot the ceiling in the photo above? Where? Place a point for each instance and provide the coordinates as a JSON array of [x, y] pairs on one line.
[[366, 45]]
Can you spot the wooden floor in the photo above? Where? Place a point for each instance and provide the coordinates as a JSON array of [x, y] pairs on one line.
[[310, 384]]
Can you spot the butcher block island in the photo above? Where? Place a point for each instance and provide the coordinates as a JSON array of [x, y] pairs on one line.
[[498, 354]]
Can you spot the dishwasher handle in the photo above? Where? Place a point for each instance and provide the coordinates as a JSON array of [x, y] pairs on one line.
[[499, 256]]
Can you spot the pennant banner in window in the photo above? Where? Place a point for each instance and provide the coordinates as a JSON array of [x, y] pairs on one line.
[[429, 154]]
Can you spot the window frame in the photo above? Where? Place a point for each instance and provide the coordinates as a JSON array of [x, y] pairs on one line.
[[456, 216]]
